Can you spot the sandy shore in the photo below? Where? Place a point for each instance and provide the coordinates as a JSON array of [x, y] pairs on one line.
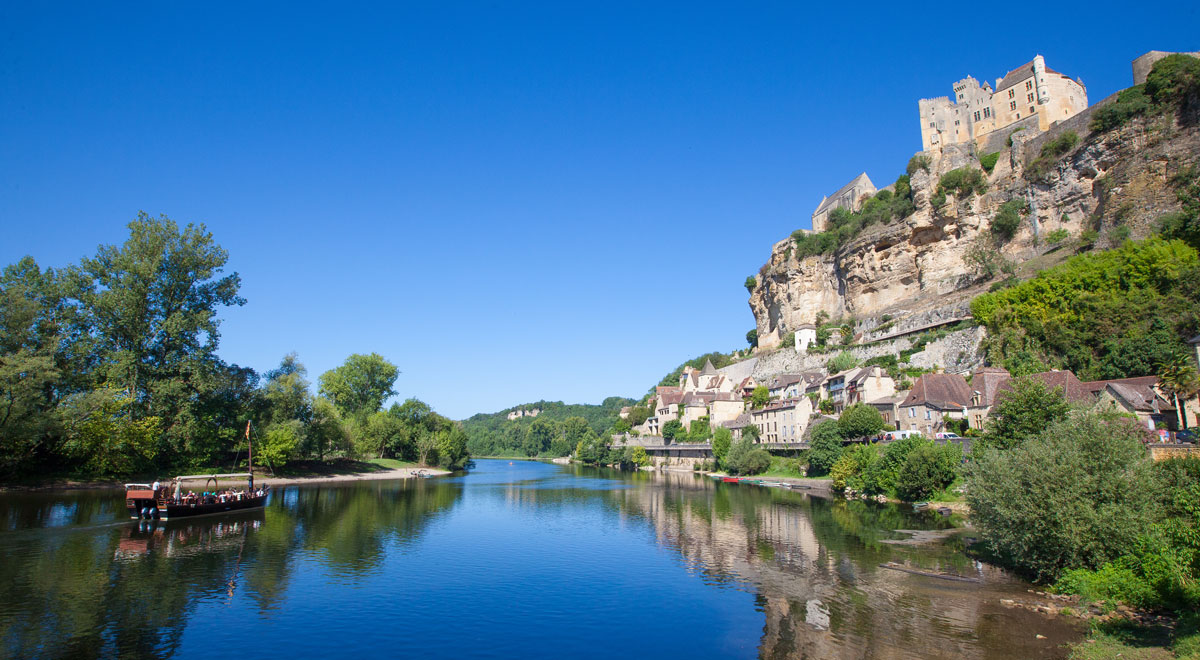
[[397, 473]]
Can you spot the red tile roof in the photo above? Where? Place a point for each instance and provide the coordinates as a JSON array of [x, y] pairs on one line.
[[940, 391]]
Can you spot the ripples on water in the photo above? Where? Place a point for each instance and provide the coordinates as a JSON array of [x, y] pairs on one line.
[[524, 560]]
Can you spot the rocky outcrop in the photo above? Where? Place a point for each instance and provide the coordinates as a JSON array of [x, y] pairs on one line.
[[915, 268]]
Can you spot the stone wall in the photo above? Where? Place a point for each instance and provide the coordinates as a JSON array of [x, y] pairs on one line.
[[997, 140], [1162, 452]]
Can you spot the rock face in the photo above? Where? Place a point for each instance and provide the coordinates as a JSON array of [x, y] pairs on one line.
[[915, 268]]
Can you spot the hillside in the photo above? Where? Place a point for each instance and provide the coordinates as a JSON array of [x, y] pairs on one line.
[[949, 229], [496, 434]]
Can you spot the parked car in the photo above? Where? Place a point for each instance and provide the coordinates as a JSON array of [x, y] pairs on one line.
[[946, 435], [892, 436], [1186, 435]]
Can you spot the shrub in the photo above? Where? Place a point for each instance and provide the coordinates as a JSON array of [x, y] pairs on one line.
[[927, 470], [988, 161], [1129, 103], [1110, 583], [858, 469], [1057, 236], [826, 406], [744, 458], [1051, 152], [640, 457], [751, 283], [1175, 79], [844, 225], [789, 340], [841, 362], [1077, 496], [962, 182], [917, 162], [752, 338], [1009, 141], [859, 421], [826, 448], [721, 442], [672, 429], [1008, 218], [1023, 412]]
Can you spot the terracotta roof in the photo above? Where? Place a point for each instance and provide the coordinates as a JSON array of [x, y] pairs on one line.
[[1095, 387], [988, 381], [667, 389], [669, 398], [1071, 386], [1017, 75], [783, 380], [940, 391]]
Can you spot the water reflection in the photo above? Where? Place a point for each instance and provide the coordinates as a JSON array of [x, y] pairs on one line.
[[816, 567]]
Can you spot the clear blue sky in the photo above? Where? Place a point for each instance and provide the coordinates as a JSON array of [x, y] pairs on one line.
[[510, 201]]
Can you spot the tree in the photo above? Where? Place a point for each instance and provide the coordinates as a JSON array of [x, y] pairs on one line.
[[1023, 412], [859, 421], [378, 435], [103, 434], [745, 458], [360, 386], [841, 362], [427, 448], [1076, 495], [639, 456], [760, 397], [1179, 379], [672, 430], [286, 392], [325, 431], [451, 448], [277, 447], [539, 436], [722, 439], [926, 470], [752, 338], [826, 448]]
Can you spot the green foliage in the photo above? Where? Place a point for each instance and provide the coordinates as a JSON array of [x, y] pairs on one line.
[[496, 435], [1111, 314], [278, 446], [1077, 496], [1023, 412], [639, 457], [826, 448], [1185, 223], [1129, 103], [1008, 218], [841, 362], [751, 283], [826, 406], [760, 397], [672, 430], [744, 458], [860, 421], [752, 338], [721, 442], [789, 340], [858, 470], [102, 433], [1052, 151], [962, 183], [1009, 140], [988, 161], [1174, 80], [843, 225], [699, 431], [917, 162], [360, 386], [1057, 236], [927, 470]]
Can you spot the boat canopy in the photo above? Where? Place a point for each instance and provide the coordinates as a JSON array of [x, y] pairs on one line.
[[189, 477]]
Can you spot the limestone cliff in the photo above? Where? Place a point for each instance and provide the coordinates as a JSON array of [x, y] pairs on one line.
[[914, 271]]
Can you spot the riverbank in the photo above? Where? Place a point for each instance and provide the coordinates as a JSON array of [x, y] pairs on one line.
[[333, 472]]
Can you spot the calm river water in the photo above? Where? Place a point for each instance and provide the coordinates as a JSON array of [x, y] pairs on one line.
[[521, 560]]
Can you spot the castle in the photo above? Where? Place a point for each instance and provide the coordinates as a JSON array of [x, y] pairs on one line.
[[1032, 94]]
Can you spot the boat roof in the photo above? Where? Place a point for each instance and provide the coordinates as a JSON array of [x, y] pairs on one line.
[[213, 476]]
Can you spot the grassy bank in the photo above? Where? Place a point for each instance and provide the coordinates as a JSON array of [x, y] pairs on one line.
[[1129, 641]]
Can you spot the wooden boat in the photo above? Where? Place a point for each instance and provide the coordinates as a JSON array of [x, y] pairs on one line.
[[729, 480], [920, 506], [170, 502]]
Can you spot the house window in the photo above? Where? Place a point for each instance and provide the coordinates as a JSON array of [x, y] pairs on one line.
[[912, 412], [1029, 97], [987, 112], [928, 414], [1011, 93], [976, 115], [1012, 105]]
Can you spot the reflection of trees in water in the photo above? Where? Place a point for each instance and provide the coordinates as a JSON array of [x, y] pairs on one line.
[[128, 589], [814, 566]]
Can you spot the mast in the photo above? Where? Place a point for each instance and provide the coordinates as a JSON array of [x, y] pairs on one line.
[[251, 454]]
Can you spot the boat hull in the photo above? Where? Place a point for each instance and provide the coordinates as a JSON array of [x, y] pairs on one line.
[[168, 511]]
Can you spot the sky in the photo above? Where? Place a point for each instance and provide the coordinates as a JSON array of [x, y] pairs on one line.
[[509, 201]]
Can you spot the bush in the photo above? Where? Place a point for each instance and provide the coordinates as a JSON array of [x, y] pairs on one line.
[[751, 283], [962, 183], [858, 469], [1175, 79], [745, 458], [917, 162], [1077, 496], [1023, 412], [927, 470], [1129, 103], [721, 442], [1008, 218], [639, 457], [841, 362], [859, 421], [789, 340], [1052, 151], [1110, 583], [844, 225], [672, 430], [826, 448], [752, 338], [1057, 236], [988, 161]]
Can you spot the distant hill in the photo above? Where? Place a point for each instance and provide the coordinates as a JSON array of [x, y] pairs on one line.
[[494, 433]]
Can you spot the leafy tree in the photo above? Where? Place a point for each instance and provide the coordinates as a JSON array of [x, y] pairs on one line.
[[451, 448], [672, 430], [325, 432], [699, 431], [559, 447], [744, 457], [103, 434], [751, 283], [826, 406], [379, 434], [926, 470], [639, 456], [1023, 413], [826, 448], [858, 469], [760, 397], [722, 439], [752, 338], [360, 386], [860, 421], [638, 415], [1076, 496], [277, 447], [427, 449]]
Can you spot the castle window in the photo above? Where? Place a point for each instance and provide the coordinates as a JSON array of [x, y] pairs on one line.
[[1031, 109], [930, 124], [956, 122], [1011, 93], [1028, 84], [976, 115], [987, 112], [1012, 105], [1029, 97]]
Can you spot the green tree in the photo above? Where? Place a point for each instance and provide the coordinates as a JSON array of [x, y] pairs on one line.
[[744, 457], [1078, 495], [722, 439], [277, 447], [826, 448], [860, 421], [103, 434], [672, 430], [1023, 412], [752, 338], [452, 448], [760, 397], [841, 362], [926, 470], [325, 433], [539, 436], [639, 456], [361, 385]]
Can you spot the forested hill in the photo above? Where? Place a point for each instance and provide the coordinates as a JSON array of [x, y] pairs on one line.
[[491, 434]]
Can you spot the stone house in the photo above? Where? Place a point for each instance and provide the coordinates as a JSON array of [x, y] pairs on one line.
[[933, 397], [707, 379], [887, 407], [725, 407], [858, 386], [849, 197], [1031, 92], [783, 421], [693, 406], [1139, 396], [806, 335], [736, 425]]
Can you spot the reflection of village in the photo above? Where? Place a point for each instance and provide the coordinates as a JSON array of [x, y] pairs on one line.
[[814, 565]]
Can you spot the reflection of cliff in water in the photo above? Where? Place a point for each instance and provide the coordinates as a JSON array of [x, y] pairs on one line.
[[814, 564], [128, 589]]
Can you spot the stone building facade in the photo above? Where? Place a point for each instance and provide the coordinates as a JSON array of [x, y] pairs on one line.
[[849, 197], [975, 110]]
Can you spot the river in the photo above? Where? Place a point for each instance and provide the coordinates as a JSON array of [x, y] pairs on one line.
[[511, 560]]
